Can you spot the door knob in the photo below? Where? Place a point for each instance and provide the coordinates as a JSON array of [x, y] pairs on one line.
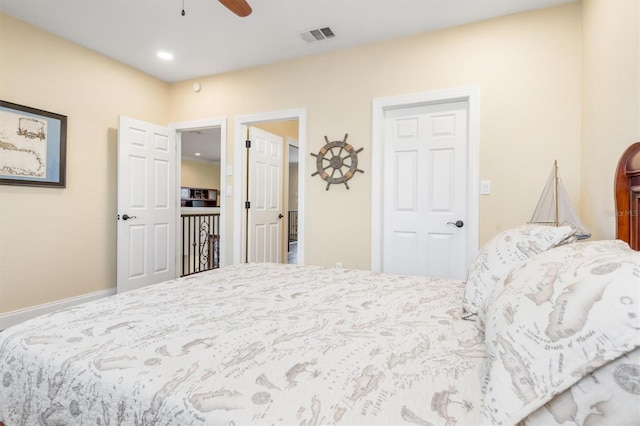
[[127, 217], [457, 223], [280, 216]]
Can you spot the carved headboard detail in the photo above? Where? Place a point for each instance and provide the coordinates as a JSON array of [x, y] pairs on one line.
[[627, 196]]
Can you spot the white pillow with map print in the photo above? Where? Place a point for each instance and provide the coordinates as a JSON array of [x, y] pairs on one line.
[[570, 253], [561, 315], [608, 396], [503, 253]]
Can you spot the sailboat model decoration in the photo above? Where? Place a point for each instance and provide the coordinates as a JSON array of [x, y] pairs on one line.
[[555, 208]]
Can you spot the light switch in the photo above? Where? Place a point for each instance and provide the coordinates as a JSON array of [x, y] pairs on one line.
[[485, 187], [229, 170], [229, 191]]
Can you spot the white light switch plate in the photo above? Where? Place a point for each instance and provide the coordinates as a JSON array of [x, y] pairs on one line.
[[485, 187], [229, 191], [229, 170]]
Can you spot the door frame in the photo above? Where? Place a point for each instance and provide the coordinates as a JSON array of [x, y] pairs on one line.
[[185, 126], [470, 94], [239, 179]]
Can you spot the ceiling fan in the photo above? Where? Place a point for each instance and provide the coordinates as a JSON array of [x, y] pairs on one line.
[[239, 7]]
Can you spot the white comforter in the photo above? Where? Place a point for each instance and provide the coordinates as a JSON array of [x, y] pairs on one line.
[[251, 344]]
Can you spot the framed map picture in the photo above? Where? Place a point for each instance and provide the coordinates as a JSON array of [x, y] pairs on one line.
[[33, 146]]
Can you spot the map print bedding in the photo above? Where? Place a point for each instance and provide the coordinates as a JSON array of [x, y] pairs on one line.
[[251, 344]]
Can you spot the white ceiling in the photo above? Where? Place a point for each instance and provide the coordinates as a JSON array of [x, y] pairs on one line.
[[210, 40], [201, 145]]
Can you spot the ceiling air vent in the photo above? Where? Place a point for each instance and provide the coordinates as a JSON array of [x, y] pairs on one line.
[[317, 34]]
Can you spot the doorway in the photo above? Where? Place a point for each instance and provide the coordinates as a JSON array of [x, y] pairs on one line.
[[242, 123], [200, 200], [389, 112], [201, 167]]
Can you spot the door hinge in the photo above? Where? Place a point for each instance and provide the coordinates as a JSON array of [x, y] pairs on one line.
[[247, 204], [247, 143]]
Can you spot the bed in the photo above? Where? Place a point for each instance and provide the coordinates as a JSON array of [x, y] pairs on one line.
[[250, 344], [545, 330]]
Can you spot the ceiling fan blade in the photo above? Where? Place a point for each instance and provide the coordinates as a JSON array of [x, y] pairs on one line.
[[239, 7]]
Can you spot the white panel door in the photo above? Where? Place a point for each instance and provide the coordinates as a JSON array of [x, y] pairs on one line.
[[425, 192], [266, 159], [146, 204]]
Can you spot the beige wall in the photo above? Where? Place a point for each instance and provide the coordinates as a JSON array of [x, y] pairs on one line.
[[198, 174], [59, 243], [527, 67], [284, 128], [538, 73], [610, 102]]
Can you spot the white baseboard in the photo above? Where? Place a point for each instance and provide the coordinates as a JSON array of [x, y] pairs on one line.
[[15, 317]]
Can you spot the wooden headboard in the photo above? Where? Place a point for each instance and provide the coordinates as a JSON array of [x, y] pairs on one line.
[[627, 192]]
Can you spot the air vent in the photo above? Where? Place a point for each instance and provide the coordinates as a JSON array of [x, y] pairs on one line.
[[317, 34]]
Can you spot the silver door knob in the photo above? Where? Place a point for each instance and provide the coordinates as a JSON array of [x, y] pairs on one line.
[[457, 223]]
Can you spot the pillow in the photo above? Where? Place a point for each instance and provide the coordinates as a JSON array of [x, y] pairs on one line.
[[505, 252], [570, 253], [608, 396], [554, 320]]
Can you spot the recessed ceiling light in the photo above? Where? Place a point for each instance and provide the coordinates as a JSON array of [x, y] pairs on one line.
[[165, 55], [197, 154]]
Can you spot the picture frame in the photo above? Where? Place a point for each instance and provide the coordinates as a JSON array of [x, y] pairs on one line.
[[33, 146]]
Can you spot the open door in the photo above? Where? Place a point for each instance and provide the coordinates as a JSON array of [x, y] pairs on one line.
[[146, 204], [265, 212]]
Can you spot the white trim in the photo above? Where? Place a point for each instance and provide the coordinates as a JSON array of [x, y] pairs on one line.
[[380, 105], [15, 317], [196, 125], [240, 159]]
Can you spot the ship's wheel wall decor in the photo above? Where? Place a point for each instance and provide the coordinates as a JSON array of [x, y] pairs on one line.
[[332, 158]]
